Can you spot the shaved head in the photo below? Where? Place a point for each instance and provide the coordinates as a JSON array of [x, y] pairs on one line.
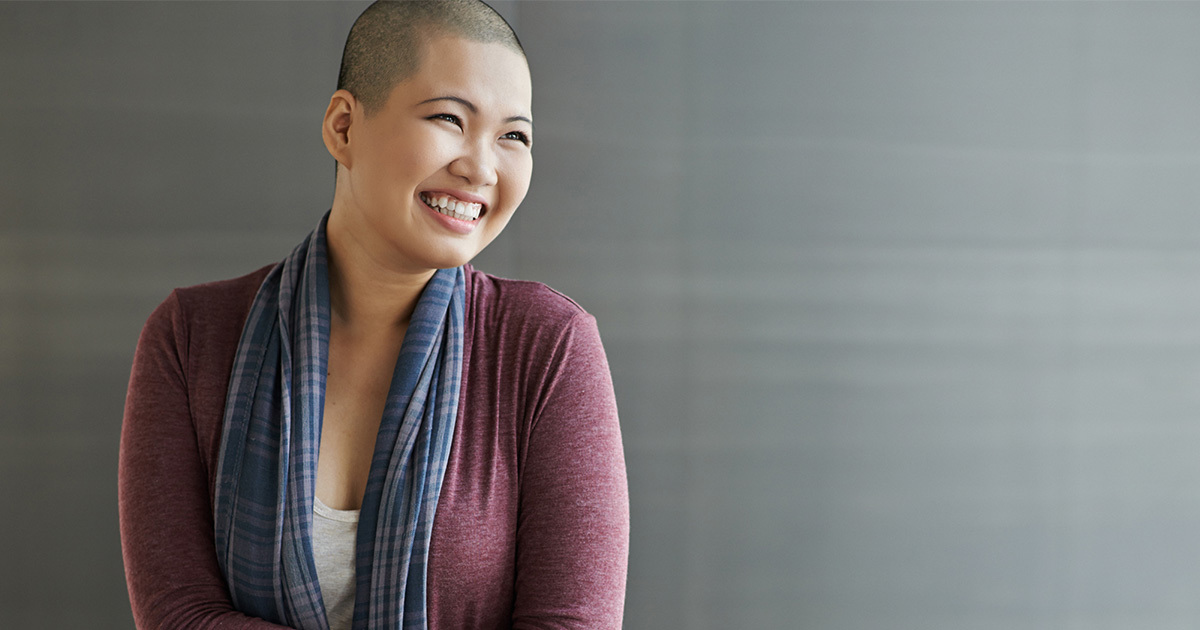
[[386, 43]]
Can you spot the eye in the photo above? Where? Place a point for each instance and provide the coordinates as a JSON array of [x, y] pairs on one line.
[[519, 136], [450, 118]]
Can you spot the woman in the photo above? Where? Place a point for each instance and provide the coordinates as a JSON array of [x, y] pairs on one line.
[[372, 434]]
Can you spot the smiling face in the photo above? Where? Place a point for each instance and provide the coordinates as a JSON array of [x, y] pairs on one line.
[[428, 180]]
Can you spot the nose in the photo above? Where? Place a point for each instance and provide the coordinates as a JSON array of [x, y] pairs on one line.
[[476, 164]]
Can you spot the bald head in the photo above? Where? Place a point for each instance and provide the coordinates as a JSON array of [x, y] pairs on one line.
[[386, 43]]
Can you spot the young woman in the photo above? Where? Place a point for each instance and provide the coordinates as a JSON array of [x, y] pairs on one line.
[[373, 434]]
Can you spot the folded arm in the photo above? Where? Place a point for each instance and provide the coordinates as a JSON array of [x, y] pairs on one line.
[[165, 509]]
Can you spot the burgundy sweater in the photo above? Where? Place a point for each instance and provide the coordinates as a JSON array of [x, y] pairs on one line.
[[532, 526]]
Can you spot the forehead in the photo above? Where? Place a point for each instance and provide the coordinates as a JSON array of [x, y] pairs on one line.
[[490, 75]]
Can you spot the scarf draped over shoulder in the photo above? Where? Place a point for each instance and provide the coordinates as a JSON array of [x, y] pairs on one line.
[[267, 467]]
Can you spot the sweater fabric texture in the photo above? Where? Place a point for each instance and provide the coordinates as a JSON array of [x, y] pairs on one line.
[[532, 524]]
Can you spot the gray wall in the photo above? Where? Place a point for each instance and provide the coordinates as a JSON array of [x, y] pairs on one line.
[[899, 297]]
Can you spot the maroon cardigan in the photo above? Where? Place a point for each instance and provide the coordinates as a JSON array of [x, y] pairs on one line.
[[532, 527]]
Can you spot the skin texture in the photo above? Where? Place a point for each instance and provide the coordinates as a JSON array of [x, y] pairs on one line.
[[408, 147], [460, 126]]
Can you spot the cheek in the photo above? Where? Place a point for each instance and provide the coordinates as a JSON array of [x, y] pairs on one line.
[[517, 176], [403, 159], [426, 153]]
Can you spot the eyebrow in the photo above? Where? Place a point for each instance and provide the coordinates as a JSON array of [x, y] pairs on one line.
[[471, 107]]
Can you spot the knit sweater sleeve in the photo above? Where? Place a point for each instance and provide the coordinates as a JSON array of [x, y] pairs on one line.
[[573, 522], [165, 507]]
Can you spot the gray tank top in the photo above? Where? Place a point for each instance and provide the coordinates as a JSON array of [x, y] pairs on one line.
[[334, 535]]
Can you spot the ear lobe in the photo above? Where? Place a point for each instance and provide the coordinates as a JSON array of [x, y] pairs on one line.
[[335, 127]]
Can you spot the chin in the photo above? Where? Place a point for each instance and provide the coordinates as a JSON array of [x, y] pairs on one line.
[[448, 258]]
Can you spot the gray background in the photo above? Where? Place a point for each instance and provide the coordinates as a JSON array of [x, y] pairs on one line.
[[900, 298]]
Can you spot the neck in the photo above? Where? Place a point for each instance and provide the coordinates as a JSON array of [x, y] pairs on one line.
[[364, 292]]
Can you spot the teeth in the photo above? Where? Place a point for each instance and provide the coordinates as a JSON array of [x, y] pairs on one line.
[[453, 207]]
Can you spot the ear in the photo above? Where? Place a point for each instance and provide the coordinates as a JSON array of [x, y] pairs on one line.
[[335, 128]]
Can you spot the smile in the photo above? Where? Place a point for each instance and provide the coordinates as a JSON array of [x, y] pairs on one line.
[[451, 207]]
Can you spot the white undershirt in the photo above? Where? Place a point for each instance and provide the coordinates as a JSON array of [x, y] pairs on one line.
[[334, 535]]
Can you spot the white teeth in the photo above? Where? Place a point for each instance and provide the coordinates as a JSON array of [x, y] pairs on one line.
[[452, 207]]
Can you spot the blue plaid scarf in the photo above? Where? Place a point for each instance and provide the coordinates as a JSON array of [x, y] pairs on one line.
[[267, 468]]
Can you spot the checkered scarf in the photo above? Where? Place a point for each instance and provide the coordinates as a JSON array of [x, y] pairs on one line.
[[267, 468]]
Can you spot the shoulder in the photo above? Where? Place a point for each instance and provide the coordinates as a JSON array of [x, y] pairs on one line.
[[528, 329], [495, 299], [222, 297], [202, 314]]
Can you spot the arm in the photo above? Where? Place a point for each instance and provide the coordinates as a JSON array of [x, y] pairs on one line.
[[165, 510], [573, 523]]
